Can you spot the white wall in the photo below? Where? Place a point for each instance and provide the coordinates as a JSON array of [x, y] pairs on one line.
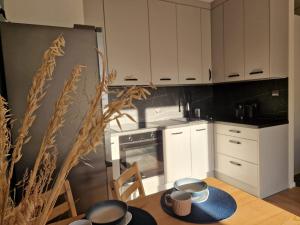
[[63, 13], [93, 12], [297, 94]]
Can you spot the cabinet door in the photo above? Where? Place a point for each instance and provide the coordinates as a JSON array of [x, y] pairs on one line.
[[189, 44], [201, 154], [177, 153], [163, 42], [234, 40], [127, 39], [218, 44], [257, 39], [279, 38], [206, 46]]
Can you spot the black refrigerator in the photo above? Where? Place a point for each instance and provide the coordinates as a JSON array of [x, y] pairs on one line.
[[23, 46]]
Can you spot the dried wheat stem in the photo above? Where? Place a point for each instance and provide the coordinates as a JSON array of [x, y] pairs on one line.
[[36, 94], [56, 122], [4, 151]]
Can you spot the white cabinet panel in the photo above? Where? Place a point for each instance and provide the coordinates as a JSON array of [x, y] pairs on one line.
[[163, 42], [189, 44], [127, 39], [234, 40], [206, 46], [279, 38], [244, 149], [238, 169], [177, 153], [218, 44], [202, 159], [237, 131], [257, 39]]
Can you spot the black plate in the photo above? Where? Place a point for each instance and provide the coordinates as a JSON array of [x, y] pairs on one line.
[[107, 204]]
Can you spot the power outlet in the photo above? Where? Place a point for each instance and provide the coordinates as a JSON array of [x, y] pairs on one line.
[[275, 93]]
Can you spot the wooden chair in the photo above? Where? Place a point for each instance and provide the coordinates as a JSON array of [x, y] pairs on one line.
[[67, 206], [133, 171]]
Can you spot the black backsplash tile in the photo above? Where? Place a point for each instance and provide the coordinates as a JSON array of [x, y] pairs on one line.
[[220, 100], [227, 96]]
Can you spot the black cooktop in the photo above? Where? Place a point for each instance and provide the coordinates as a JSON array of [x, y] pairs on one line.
[[260, 122]]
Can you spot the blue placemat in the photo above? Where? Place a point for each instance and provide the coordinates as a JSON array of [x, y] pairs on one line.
[[219, 206]]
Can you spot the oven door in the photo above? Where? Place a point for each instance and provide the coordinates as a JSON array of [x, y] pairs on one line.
[[148, 155]]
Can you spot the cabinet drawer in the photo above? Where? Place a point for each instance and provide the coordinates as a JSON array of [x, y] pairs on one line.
[[237, 147], [238, 169], [236, 131]]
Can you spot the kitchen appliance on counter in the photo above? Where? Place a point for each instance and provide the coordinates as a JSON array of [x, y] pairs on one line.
[[246, 111]]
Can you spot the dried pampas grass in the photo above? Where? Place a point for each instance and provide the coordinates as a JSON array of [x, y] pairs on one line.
[[34, 209]]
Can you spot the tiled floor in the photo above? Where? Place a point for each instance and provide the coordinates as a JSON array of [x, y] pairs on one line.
[[288, 200]]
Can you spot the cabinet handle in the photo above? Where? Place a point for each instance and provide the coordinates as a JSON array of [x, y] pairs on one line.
[[131, 79], [165, 79], [233, 75], [256, 72], [190, 78], [235, 131], [177, 133], [235, 163], [210, 74], [235, 142], [201, 129]]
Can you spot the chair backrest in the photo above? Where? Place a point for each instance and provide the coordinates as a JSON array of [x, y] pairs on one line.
[[134, 172], [68, 205]]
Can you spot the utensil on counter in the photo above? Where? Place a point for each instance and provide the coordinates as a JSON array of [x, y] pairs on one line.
[[197, 113], [109, 212], [180, 202], [81, 222], [197, 188]]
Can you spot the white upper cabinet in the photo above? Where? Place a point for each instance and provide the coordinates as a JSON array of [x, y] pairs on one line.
[[234, 40], [206, 46], [163, 42], [127, 41], [257, 39], [189, 44], [218, 44], [279, 23]]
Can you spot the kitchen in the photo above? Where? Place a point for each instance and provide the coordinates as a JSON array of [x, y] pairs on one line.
[[221, 106]]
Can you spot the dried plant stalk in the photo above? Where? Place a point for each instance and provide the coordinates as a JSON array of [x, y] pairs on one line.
[[34, 209], [4, 151], [91, 132], [36, 94], [56, 122]]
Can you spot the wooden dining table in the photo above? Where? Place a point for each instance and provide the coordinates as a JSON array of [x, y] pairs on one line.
[[250, 209]]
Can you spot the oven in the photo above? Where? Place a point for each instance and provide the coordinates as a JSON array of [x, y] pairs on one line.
[[144, 148]]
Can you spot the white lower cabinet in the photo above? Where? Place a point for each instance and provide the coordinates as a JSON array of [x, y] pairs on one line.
[[202, 161], [177, 154], [187, 152], [253, 159]]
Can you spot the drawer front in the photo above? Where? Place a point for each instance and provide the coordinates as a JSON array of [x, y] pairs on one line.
[[236, 131], [237, 147], [237, 169]]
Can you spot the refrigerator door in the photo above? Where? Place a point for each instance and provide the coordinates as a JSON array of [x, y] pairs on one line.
[[23, 47]]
